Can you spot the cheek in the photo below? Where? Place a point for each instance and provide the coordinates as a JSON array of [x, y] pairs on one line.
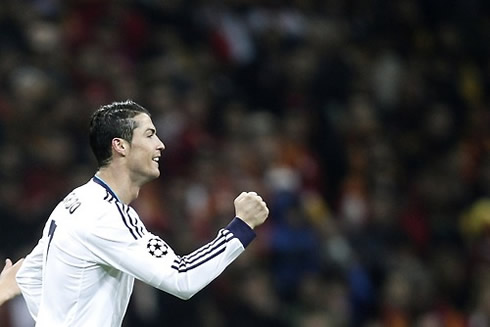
[[137, 157]]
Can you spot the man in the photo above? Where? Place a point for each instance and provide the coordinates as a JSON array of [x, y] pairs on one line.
[[82, 271], [8, 286]]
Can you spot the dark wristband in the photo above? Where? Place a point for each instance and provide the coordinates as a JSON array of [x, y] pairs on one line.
[[241, 231]]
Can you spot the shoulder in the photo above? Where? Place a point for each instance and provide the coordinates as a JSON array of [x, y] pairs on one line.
[[89, 198], [109, 210], [90, 190]]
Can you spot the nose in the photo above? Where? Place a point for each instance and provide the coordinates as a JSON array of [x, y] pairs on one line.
[[161, 146]]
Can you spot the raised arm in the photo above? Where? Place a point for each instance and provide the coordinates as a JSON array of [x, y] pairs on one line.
[[151, 260]]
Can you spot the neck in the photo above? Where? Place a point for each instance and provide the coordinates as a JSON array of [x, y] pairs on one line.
[[120, 183]]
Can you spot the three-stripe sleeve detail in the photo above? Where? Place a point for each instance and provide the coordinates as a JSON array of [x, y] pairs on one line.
[[133, 221], [130, 222], [203, 254]]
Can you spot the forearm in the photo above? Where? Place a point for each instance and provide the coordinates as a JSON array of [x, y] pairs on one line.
[[151, 260], [191, 273]]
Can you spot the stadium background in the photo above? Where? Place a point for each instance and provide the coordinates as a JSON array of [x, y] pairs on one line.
[[365, 125]]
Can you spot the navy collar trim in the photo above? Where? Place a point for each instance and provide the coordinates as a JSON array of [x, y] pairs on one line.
[[101, 182]]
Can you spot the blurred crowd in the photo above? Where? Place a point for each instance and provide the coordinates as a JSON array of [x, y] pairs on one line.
[[364, 125]]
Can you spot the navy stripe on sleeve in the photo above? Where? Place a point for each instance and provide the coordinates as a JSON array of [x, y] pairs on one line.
[[132, 230], [137, 231], [223, 233], [237, 228], [187, 260], [133, 222], [204, 254], [186, 268]]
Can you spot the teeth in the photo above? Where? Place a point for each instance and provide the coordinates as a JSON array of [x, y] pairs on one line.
[[156, 159]]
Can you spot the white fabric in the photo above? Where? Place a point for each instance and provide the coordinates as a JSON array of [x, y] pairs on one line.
[[82, 271]]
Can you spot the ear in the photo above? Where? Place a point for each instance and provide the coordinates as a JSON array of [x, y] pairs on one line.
[[120, 146]]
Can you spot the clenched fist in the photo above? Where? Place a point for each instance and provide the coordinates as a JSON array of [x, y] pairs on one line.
[[250, 208]]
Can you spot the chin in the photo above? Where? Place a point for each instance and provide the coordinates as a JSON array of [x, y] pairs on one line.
[[151, 176]]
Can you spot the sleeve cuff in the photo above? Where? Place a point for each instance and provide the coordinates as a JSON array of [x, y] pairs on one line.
[[241, 231]]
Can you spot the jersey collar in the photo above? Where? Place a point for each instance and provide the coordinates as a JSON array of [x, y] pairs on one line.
[[101, 182]]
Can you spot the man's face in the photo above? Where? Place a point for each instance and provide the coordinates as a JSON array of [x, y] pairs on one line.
[[145, 150]]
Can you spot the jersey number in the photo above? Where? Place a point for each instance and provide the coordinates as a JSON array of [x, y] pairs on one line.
[[52, 228]]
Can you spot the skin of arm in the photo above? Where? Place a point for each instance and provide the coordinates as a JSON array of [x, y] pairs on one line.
[[8, 286]]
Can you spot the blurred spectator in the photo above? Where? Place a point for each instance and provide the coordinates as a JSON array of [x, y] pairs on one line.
[[364, 123]]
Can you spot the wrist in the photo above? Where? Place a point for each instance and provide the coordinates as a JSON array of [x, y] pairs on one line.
[[241, 230], [249, 224]]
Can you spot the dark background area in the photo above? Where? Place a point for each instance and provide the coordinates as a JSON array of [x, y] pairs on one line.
[[364, 125]]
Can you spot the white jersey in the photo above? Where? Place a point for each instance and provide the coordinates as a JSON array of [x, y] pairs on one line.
[[81, 273]]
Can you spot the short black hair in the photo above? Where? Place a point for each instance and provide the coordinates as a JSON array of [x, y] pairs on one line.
[[111, 121]]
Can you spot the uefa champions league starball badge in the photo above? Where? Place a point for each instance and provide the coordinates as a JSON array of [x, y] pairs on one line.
[[157, 247]]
